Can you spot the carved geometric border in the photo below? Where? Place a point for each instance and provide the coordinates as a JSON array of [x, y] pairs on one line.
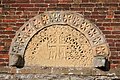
[[76, 20]]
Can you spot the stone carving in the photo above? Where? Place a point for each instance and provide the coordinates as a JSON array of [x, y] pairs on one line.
[[58, 37], [57, 44]]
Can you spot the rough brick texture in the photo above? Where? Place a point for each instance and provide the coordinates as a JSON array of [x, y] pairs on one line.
[[104, 13]]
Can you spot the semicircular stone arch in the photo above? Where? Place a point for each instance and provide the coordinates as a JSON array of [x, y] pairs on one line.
[[51, 38]]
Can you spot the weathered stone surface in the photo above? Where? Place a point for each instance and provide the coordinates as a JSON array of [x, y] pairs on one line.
[[54, 77], [50, 73], [59, 39], [59, 46]]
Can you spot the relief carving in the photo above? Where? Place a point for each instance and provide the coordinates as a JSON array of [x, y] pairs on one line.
[[85, 26], [55, 17], [60, 42], [63, 39], [44, 19]]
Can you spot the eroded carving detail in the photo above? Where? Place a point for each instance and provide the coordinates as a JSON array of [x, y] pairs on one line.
[[102, 50], [88, 37], [59, 43], [45, 19], [56, 17], [85, 26]]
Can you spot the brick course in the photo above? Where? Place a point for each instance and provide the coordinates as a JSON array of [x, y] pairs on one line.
[[104, 13]]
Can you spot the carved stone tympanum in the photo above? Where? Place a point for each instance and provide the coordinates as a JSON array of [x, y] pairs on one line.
[[59, 39], [59, 45]]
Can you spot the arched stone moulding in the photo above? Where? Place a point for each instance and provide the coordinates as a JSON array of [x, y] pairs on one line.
[[96, 39]]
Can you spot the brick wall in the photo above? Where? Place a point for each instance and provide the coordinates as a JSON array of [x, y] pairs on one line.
[[104, 13]]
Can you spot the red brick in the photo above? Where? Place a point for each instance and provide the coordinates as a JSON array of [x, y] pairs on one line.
[[9, 20], [8, 1], [117, 16], [3, 64], [95, 13], [87, 5], [87, 13], [115, 24], [117, 40], [2, 60], [101, 28], [117, 12], [2, 28], [117, 44], [63, 5], [118, 49], [98, 4], [31, 9], [37, 1], [100, 9], [7, 40], [98, 17], [118, 8], [112, 66], [22, 1], [115, 32], [52, 5], [21, 20], [6, 60], [9, 29], [110, 36], [1, 44], [20, 9], [19, 24], [103, 20], [4, 56], [110, 4], [9, 17], [19, 13], [106, 24], [106, 32], [75, 5], [113, 49], [7, 32], [3, 52], [77, 9], [9, 9], [102, 13], [116, 20], [0, 10], [1, 48], [12, 36], [116, 61], [110, 40], [117, 36], [65, 1], [3, 36], [89, 9], [108, 28], [85, 0], [111, 44], [41, 5], [42, 9], [109, 16], [51, 1], [22, 5], [28, 9], [57, 9], [26, 13]]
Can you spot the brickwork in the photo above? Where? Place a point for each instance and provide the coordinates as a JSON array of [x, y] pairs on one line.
[[104, 13]]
